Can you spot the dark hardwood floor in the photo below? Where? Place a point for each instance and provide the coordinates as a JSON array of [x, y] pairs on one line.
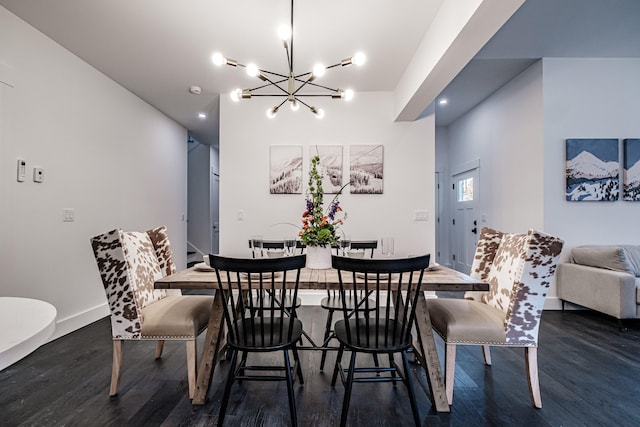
[[589, 376]]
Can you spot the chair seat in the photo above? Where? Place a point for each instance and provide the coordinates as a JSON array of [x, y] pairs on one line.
[[376, 339], [335, 303], [183, 316], [462, 321], [265, 333]]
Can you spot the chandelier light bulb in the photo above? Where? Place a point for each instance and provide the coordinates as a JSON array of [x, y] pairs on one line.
[[218, 59], [348, 95], [271, 112], [319, 70], [295, 106], [253, 70], [235, 95], [319, 112], [359, 58], [284, 32]]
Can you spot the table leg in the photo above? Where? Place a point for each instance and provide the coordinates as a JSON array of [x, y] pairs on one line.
[[427, 346], [210, 350]]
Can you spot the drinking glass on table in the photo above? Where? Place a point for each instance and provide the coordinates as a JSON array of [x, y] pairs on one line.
[[387, 246], [256, 246], [345, 245], [290, 246]]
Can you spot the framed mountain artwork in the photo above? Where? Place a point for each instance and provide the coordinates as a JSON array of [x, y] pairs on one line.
[[631, 172], [592, 169], [366, 169], [285, 169]]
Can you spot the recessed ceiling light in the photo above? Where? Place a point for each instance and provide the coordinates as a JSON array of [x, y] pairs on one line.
[[443, 101], [196, 90], [202, 116]]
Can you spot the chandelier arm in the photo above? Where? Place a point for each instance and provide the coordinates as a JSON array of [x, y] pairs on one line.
[[334, 65], [272, 83], [305, 82], [269, 84], [305, 104], [275, 95], [282, 103], [312, 94], [275, 74]]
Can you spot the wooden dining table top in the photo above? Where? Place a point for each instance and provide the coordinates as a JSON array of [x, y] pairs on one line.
[[435, 278]]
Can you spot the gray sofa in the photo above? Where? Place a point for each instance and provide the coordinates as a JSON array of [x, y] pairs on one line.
[[602, 278]]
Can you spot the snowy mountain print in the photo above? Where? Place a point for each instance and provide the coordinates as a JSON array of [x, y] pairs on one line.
[[592, 169], [330, 166], [285, 170], [631, 169]]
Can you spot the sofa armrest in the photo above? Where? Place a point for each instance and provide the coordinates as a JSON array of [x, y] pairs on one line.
[[607, 291]]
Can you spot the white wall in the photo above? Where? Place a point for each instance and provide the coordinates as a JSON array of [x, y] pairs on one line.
[[113, 158], [588, 98], [505, 133], [246, 135], [519, 136]]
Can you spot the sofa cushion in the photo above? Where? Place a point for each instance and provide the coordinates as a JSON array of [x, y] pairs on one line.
[[618, 258]]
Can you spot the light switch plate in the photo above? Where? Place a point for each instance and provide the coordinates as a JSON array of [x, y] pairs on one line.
[[69, 215], [420, 215]]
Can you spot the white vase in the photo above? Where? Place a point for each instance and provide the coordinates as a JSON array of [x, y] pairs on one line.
[[319, 257]]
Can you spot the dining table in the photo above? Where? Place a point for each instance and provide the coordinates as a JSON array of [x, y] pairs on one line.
[[435, 278]]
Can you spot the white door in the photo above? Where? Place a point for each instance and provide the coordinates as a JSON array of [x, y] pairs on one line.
[[464, 223]]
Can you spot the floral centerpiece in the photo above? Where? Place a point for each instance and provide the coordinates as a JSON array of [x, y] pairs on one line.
[[319, 226]]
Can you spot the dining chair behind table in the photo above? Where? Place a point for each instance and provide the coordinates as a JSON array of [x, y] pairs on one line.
[[509, 314], [267, 245], [274, 329], [277, 247], [129, 263], [384, 328], [357, 245]]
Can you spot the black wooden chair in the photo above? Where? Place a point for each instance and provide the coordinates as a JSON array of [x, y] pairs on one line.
[[272, 329], [384, 328]]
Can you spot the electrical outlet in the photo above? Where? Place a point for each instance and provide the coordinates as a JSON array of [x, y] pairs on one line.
[[240, 215]]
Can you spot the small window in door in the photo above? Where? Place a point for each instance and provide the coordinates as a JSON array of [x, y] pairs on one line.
[[465, 190]]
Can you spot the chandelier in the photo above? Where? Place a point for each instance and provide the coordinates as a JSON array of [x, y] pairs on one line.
[[288, 86]]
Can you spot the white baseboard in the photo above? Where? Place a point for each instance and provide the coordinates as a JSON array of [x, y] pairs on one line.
[[79, 320]]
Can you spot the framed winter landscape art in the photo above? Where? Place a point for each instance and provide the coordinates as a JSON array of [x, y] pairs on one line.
[[330, 166], [593, 169], [285, 169], [366, 167], [631, 172]]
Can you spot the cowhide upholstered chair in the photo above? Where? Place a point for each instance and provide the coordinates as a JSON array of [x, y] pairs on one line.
[[486, 249], [509, 314], [129, 263]]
